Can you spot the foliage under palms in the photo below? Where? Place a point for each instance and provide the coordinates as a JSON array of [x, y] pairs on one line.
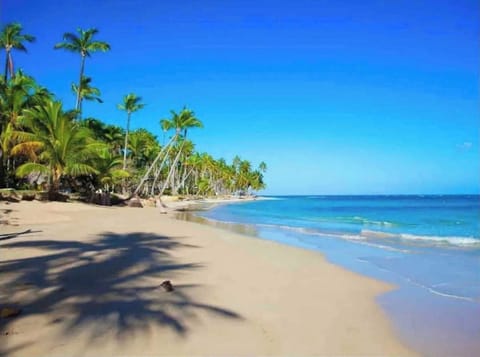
[[56, 144], [16, 95], [143, 147], [109, 169]]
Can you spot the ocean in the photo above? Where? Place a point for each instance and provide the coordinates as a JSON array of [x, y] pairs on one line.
[[428, 246]]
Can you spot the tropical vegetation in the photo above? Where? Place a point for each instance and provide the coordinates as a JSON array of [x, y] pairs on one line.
[[46, 146]]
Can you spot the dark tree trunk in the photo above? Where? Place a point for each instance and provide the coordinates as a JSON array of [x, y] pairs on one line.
[[2, 173], [79, 88], [126, 142], [6, 67]]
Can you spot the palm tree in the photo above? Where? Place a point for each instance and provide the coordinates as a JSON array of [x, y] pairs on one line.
[[262, 167], [87, 92], [85, 45], [11, 37], [56, 144], [113, 135], [109, 171], [131, 103], [16, 95], [143, 147], [181, 122], [165, 125]]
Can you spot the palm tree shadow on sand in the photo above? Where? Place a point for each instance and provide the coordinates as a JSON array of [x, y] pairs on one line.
[[110, 285]]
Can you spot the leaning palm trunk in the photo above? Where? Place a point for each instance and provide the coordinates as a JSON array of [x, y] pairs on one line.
[[172, 169], [145, 177], [186, 175], [159, 171]]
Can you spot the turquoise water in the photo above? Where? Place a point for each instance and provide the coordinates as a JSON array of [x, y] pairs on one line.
[[429, 246]]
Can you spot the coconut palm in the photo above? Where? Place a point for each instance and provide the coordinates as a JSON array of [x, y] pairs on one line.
[[143, 147], [113, 135], [87, 92], [11, 38], [165, 125], [109, 169], [56, 144], [84, 44], [17, 94], [180, 122], [262, 167], [131, 103]]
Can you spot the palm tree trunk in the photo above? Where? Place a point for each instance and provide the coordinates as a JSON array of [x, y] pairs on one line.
[[159, 171], [10, 65], [54, 185], [6, 66], [126, 142], [124, 188], [80, 109], [3, 173], [172, 169], [186, 175], [145, 177], [79, 91]]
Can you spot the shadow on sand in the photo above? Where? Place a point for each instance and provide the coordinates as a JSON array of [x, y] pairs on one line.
[[7, 236], [109, 284]]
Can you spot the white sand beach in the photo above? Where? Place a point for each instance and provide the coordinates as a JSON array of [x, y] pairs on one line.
[[87, 279]]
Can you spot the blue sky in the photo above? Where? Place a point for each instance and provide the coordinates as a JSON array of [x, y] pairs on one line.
[[337, 97]]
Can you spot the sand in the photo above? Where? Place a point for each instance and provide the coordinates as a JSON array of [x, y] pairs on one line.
[[88, 281]]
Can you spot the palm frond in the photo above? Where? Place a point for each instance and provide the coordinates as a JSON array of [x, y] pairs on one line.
[[78, 169], [31, 167], [27, 148]]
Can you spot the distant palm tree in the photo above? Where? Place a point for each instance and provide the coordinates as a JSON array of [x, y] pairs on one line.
[[180, 122], [11, 37], [85, 45], [56, 144], [165, 125], [131, 103], [86, 91], [262, 167]]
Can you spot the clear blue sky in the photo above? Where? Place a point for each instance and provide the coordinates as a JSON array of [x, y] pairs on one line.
[[338, 97]]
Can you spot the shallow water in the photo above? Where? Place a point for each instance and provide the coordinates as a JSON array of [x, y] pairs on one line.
[[427, 245]]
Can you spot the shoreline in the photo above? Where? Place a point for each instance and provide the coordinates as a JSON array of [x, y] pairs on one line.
[[423, 316], [256, 297], [172, 204]]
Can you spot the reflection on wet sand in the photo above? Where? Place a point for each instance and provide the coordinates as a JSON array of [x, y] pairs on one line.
[[233, 227]]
